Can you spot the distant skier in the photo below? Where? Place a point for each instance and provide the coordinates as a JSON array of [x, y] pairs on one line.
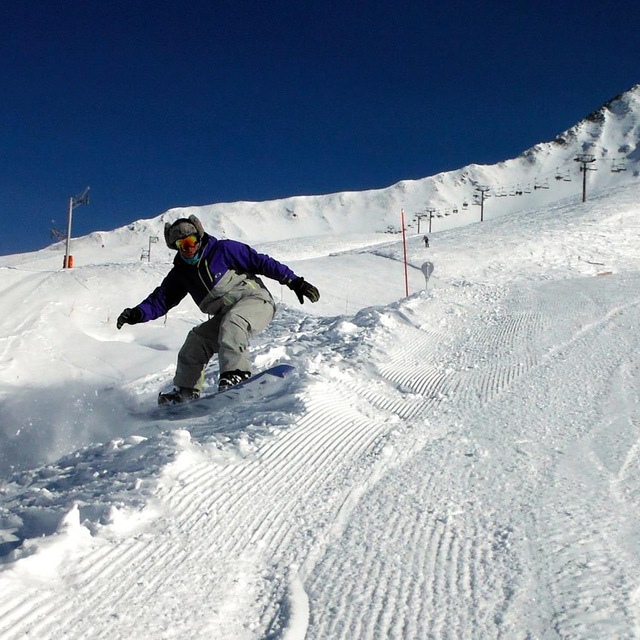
[[426, 241], [222, 278]]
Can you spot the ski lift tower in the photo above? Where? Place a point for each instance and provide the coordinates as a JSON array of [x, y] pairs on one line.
[[481, 195], [585, 159], [429, 212], [83, 198], [146, 253]]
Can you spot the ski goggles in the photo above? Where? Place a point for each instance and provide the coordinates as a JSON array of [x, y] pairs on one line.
[[189, 243]]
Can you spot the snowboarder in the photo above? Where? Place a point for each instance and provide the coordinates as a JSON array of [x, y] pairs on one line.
[[426, 241], [222, 278]]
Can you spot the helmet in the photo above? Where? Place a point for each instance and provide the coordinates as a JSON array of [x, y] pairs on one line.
[[182, 228]]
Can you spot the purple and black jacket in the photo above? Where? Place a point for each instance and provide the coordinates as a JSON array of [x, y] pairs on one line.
[[226, 272]]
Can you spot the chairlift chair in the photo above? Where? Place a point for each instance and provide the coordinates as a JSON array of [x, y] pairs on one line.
[[617, 167]]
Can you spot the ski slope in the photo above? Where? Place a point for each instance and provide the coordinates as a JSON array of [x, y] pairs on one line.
[[459, 463]]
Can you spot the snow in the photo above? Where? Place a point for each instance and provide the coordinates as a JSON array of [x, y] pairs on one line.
[[458, 463]]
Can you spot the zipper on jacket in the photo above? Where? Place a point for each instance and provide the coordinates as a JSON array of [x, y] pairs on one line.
[[206, 286]]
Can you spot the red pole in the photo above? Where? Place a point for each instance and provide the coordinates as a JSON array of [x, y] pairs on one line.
[[406, 268]]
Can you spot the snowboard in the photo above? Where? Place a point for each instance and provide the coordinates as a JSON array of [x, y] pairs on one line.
[[256, 387]]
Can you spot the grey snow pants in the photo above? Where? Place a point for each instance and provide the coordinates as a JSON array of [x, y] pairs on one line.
[[226, 334]]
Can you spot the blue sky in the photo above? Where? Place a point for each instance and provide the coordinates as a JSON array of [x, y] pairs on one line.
[[163, 104]]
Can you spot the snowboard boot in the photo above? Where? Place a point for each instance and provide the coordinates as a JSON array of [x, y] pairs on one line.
[[178, 396], [231, 378]]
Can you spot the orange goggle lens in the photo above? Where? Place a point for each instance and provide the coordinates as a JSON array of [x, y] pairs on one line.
[[188, 243]]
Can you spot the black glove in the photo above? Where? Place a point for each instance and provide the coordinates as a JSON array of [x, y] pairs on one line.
[[302, 288], [129, 316]]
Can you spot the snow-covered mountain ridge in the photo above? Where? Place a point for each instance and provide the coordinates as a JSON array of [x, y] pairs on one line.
[[543, 174]]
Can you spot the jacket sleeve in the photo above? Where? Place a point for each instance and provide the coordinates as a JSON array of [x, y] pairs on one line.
[[168, 295], [245, 258]]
